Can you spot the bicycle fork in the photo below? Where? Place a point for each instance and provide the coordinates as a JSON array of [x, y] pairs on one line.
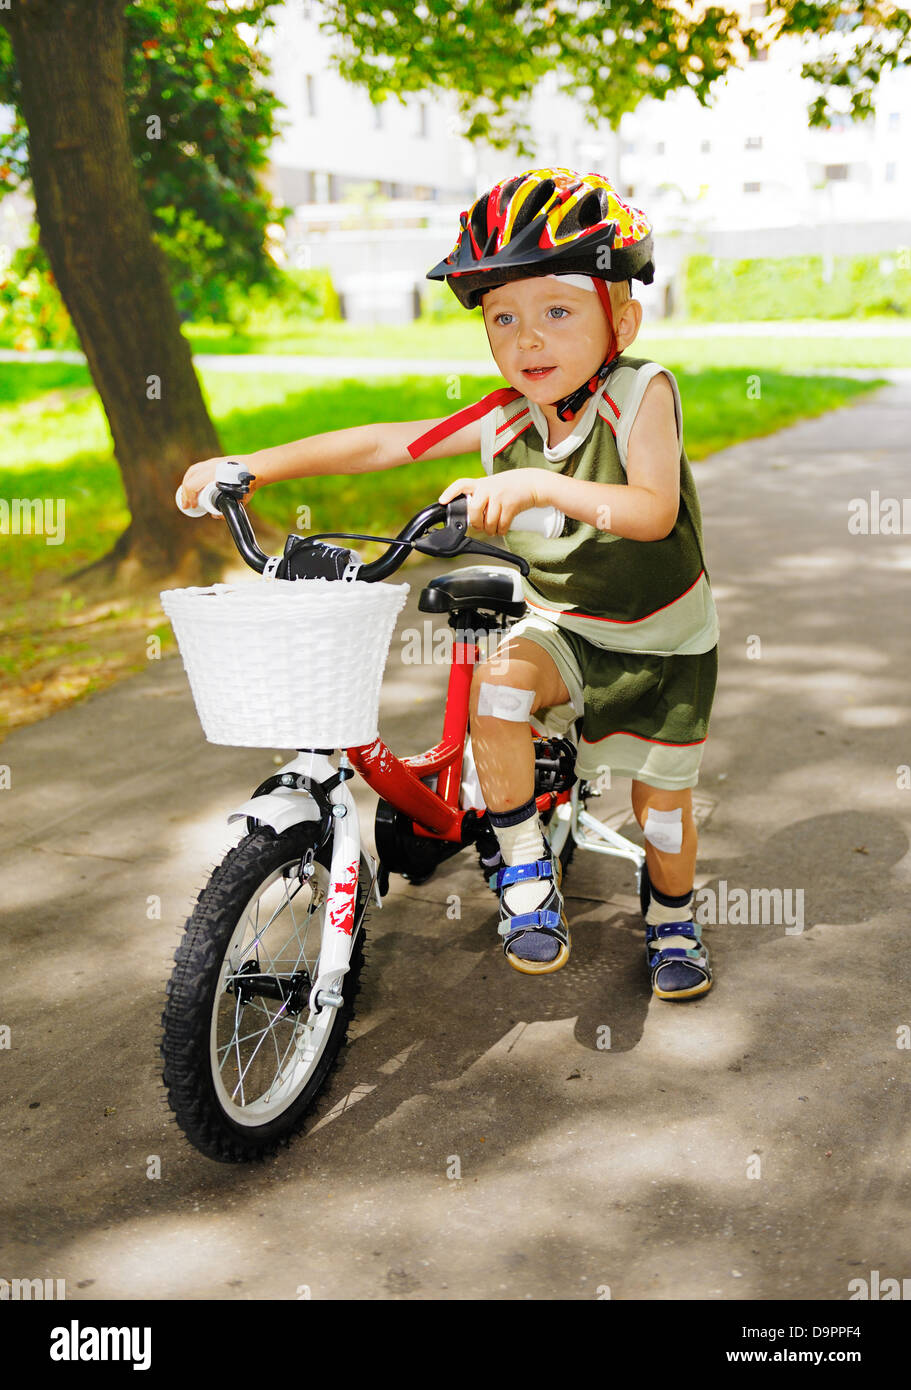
[[310, 789]]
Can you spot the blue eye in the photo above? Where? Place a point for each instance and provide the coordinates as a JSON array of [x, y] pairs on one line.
[[554, 309]]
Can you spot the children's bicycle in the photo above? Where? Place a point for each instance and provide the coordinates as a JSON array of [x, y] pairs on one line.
[[266, 972]]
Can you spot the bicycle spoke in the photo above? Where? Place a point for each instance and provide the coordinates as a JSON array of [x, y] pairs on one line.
[[259, 934], [281, 1064], [259, 1069], [237, 1045], [266, 1032]]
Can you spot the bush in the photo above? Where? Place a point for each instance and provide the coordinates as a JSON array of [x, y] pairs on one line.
[[32, 314], [299, 295], [792, 287], [438, 303]]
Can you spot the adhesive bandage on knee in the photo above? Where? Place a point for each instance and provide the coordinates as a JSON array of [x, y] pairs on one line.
[[664, 830], [505, 702]]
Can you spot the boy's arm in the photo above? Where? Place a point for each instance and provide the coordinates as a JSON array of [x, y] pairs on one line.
[[361, 449], [645, 507]]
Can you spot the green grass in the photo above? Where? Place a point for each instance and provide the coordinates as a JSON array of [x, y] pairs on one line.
[[22, 381], [63, 451], [465, 339]]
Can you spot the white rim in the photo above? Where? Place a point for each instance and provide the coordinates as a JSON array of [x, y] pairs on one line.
[[261, 1056]]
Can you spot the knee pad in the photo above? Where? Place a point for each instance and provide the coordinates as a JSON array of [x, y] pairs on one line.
[[505, 702], [664, 830]]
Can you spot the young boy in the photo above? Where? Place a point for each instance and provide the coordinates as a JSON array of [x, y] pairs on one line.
[[622, 629]]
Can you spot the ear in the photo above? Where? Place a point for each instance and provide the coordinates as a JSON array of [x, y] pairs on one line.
[[628, 323]]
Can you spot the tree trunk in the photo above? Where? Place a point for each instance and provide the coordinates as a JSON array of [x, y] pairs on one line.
[[111, 274]]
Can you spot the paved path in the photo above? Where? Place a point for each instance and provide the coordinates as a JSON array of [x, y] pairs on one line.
[[754, 1143]]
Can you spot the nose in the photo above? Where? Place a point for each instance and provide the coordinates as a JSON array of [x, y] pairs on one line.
[[527, 336]]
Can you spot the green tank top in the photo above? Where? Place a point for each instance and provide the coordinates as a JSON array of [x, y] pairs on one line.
[[652, 597]]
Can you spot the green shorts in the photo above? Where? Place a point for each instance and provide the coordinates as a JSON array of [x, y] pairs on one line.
[[645, 717]]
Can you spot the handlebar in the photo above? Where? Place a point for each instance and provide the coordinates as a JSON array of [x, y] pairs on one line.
[[439, 529]]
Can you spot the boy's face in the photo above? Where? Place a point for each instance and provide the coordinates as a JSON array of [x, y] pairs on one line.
[[547, 336]]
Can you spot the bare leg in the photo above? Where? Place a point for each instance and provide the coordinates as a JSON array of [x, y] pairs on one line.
[[503, 749], [504, 756], [670, 873]]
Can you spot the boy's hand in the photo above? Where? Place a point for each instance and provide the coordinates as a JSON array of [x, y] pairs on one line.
[[495, 502], [199, 474]]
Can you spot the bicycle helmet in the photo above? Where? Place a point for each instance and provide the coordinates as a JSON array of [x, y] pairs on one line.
[[550, 222]]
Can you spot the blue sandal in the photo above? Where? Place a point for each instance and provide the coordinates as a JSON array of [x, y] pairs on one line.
[[677, 972], [538, 942]]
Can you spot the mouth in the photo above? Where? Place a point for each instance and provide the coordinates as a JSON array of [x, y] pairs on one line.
[[537, 373]]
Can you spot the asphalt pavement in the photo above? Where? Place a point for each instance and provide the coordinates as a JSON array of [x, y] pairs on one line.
[[750, 1144]]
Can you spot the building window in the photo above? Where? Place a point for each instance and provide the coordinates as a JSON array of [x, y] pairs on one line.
[[378, 116], [310, 93], [627, 147], [891, 169], [705, 147], [751, 187], [835, 173], [320, 186], [659, 148], [423, 121], [754, 142], [895, 121]]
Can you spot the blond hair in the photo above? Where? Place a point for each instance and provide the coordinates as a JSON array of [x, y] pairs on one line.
[[619, 293]]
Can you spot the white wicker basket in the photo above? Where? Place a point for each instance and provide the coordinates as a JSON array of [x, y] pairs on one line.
[[286, 663]]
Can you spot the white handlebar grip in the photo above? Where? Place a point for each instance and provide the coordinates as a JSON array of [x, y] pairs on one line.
[[546, 521], [204, 502]]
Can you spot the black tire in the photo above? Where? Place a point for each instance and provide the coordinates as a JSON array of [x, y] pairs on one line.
[[190, 1035]]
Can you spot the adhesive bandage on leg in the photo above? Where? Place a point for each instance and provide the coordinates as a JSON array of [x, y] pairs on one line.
[[664, 830], [505, 702]]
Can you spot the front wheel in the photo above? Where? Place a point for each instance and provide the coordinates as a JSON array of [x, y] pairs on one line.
[[244, 1057]]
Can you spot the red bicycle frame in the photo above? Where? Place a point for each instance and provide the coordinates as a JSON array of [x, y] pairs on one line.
[[435, 814]]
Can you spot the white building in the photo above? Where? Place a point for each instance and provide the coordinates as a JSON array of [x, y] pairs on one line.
[[742, 177]]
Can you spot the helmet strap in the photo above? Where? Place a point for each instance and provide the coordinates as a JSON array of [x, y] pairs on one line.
[[569, 406]]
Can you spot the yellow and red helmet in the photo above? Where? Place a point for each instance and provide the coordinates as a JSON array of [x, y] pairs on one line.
[[547, 222]]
